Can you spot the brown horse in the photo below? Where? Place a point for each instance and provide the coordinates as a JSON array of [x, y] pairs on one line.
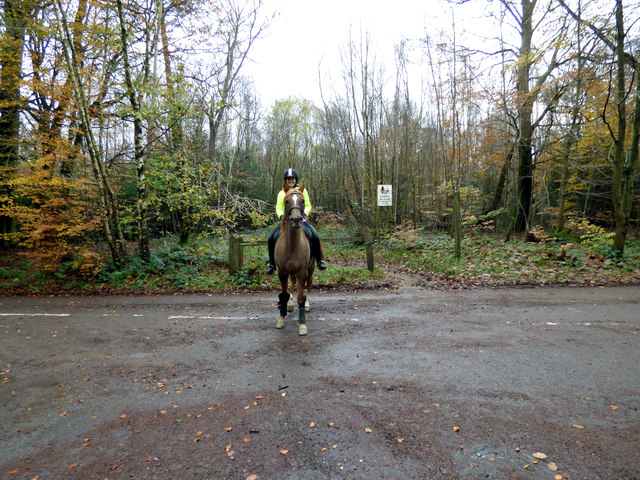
[[293, 257]]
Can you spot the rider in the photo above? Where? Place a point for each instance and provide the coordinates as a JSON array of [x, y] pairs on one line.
[[291, 181]]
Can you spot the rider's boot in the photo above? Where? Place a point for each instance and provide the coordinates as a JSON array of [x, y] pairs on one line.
[[272, 262]]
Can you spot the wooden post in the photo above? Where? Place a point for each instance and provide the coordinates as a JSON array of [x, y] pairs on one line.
[[235, 254], [368, 246]]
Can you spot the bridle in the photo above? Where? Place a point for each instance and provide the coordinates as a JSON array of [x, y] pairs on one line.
[[298, 207]]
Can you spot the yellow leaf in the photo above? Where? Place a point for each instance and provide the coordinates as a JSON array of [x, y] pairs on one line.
[[283, 451], [614, 407], [456, 429], [552, 466], [311, 425], [539, 455], [252, 477], [579, 427], [558, 477], [399, 440], [368, 430]]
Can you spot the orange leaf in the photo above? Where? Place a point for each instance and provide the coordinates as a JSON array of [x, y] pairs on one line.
[[283, 451], [579, 427], [73, 465], [368, 430]]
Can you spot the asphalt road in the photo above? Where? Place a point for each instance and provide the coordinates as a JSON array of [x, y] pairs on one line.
[[413, 384]]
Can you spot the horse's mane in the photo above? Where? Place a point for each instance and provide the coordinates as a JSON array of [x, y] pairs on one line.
[[288, 192]]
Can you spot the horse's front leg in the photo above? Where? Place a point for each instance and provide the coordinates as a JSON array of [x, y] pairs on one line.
[[302, 326], [292, 290], [283, 299]]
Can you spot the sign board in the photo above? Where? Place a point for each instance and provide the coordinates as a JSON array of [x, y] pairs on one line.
[[384, 195]]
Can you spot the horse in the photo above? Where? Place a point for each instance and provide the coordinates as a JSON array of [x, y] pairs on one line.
[[293, 258]]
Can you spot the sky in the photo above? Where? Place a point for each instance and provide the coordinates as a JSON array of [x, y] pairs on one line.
[[307, 35]]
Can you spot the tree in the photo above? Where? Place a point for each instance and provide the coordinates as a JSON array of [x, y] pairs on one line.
[[527, 91], [15, 16], [625, 161], [111, 215]]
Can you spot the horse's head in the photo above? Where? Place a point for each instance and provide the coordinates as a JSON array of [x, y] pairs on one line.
[[294, 207]]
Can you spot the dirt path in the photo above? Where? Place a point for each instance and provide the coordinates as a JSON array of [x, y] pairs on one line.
[[418, 384]]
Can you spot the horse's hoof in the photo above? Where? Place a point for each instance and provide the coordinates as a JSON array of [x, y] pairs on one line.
[[307, 305], [290, 305], [280, 323], [302, 330]]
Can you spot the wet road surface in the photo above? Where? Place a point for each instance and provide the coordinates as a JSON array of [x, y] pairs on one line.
[[414, 384]]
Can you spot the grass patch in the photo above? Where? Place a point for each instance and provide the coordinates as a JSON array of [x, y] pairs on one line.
[[486, 260]]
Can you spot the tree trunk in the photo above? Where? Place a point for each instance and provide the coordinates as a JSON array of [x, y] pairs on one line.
[[15, 15], [502, 180], [622, 220], [112, 226], [139, 152], [525, 112]]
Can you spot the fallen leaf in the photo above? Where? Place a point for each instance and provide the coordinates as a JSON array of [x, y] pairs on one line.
[[456, 429], [614, 407], [283, 451], [539, 455], [228, 429], [311, 425], [124, 415], [558, 477], [247, 439], [227, 448], [14, 471], [579, 427], [552, 466], [368, 430], [399, 440], [73, 465], [63, 414], [252, 477]]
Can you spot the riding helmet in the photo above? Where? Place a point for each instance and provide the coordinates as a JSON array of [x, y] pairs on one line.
[[291, 173]]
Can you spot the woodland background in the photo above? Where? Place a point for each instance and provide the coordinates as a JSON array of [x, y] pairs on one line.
[[125, 122]]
